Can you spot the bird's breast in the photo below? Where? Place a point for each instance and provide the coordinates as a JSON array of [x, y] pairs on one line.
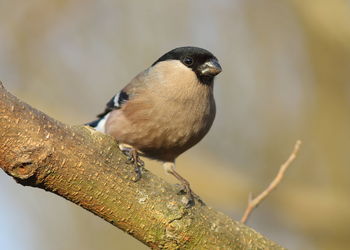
[[176, 126]]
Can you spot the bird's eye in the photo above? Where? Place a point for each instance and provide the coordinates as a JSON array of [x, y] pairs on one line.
[[188, 61]]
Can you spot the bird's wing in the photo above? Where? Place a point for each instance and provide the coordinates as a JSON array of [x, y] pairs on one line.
[[136, 85], [115, 103]]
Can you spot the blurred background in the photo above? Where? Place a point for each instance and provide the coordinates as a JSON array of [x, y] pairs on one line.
[[286, 77]]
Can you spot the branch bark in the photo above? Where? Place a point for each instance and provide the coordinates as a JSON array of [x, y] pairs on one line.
[[87, 168]]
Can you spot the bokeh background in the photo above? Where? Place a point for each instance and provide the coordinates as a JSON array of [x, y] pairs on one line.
[[286, 77]]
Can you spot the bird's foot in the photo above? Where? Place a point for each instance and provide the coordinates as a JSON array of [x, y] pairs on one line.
[[134, 159], [190, 196]]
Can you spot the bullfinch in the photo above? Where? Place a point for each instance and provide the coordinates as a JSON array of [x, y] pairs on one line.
[[164, 110]]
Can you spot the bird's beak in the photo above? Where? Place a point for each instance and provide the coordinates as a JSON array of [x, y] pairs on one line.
[[210, 68]]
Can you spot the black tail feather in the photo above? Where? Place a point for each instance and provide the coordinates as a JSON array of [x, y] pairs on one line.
[[93, 123]]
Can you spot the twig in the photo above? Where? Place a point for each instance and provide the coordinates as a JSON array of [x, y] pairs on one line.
[[253, 203]]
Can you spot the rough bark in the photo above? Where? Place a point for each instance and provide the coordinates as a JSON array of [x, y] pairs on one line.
[[87, 168]]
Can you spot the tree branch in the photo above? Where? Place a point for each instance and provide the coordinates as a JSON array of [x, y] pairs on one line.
[[253, 203], [87, 168]]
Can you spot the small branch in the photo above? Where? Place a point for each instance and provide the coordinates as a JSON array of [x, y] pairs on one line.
[[253, 203]]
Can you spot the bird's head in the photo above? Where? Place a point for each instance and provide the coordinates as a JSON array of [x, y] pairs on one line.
[[202, 62]]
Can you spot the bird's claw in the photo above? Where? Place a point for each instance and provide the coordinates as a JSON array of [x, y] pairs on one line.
[[138, 169], [134, 158], [191, 196]]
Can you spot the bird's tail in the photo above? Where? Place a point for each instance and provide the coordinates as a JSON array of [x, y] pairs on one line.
[[93, 124], [99, 124]]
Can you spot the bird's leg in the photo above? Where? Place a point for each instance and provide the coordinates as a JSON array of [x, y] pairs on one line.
[[133, 158], [169, 167]]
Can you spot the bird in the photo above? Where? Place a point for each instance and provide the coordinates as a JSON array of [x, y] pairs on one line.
[[164, 110]]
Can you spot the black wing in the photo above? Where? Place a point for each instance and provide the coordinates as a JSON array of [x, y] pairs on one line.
[[115, 103]]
